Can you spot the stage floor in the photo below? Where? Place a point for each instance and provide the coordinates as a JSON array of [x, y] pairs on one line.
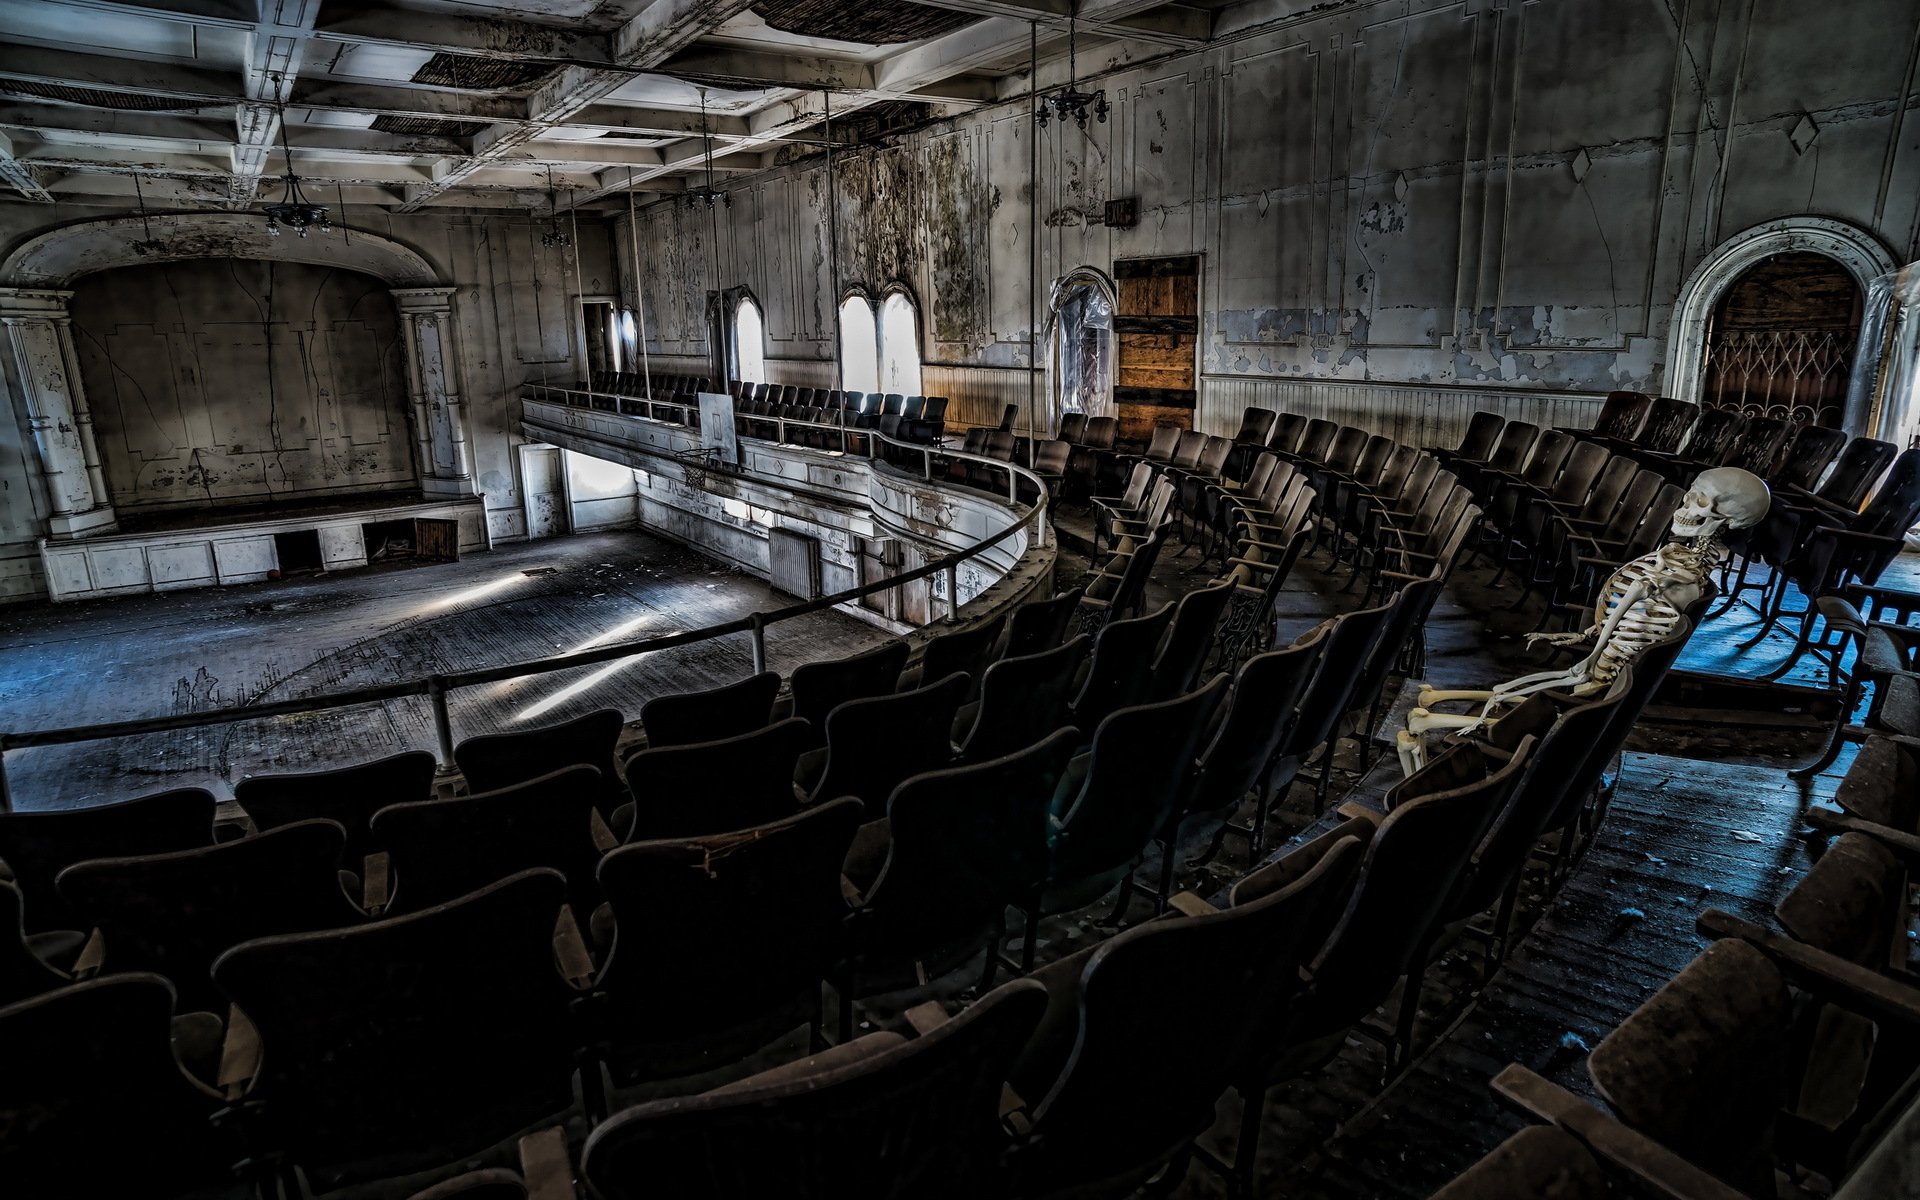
[[154, 655]]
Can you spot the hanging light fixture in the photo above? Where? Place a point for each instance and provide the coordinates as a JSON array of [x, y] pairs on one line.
[[148, 244], [1068, 101], [710, 194], [554, 236], [293, 209]]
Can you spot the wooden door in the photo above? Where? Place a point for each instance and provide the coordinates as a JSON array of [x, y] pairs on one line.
[[436, 540], [544, 479], [1157, 327]]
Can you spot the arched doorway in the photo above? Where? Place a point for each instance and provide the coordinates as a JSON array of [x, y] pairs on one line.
[[1781, 339], [1856, 251]]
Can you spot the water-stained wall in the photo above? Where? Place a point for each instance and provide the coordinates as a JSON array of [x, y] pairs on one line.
[[1408, 209]]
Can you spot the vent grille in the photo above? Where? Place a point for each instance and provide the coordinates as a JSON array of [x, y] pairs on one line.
[[427, 126], [95, 97], [477, 74], [872, 24]]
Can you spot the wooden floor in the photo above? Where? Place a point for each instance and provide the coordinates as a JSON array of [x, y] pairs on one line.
[[148, 656], [1682, 834]]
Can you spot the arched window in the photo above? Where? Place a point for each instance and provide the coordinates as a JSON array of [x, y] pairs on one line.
[[899, 346], [749, 342], [859, 346]]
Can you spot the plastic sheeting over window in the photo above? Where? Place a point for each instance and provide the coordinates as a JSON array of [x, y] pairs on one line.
[[1080, 350], [1883, 398]]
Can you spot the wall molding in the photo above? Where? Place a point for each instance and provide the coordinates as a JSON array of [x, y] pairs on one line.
[[57, 257]]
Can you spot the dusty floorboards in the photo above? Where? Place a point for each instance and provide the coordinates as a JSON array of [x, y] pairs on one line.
[[151, 656]]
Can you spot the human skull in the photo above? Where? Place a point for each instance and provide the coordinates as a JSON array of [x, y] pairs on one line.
[[1722, 498]]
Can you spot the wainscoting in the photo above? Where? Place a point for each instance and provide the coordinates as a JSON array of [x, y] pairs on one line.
[[1424, 416]]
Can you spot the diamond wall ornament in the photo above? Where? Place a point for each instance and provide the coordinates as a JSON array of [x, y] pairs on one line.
[[1582, 163], [1400, 186], [1803, 133]]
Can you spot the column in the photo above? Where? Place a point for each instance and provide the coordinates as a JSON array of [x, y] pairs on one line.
[[43, 374], [433, 384]]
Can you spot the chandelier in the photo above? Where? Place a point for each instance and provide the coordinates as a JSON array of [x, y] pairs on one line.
[[149, 244], [293, 209], [707, 193], [1068, 101], [554, 236]]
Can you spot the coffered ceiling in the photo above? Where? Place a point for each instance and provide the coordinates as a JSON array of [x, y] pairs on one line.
[[473, 102]]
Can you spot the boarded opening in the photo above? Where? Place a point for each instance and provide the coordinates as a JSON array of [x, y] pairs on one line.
[[436, 539], [1156, 325], [298, 551]]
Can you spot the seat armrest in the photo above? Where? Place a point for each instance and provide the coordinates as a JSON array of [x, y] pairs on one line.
[[92, 955], [239, 1055], [376, 883], [1833, 978], [1628, 1150], [545, 1166], [1190, 905], [570, 949], [925, 1018], [603, 837], [1903, 844]]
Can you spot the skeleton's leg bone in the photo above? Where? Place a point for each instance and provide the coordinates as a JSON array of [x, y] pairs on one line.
[[1430, 697], [1412, 750], [1419, 721]]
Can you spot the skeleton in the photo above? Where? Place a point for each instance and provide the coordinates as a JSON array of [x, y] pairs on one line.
[[1640, 604]]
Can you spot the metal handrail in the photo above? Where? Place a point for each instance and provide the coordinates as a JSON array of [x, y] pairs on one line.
[[874, 436], [436, 687]]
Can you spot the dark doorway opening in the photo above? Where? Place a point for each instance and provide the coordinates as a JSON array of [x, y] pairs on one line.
[[389, 540], [1781, 340], [298, 551]]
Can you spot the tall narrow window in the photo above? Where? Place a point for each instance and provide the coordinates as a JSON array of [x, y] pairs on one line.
[[749, 343], [859, 346], [899, 346]]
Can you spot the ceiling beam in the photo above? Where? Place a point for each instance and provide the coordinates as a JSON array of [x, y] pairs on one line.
[[327, 95], [385, 25], [238, 14], [112, 74], [19, 176], [1169, 24], [75, 119], [274, 51], [657, 122], [993, 41], [651, 37]]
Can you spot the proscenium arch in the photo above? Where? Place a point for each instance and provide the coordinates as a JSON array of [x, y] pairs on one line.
[[1860, 252], [58, 257]]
